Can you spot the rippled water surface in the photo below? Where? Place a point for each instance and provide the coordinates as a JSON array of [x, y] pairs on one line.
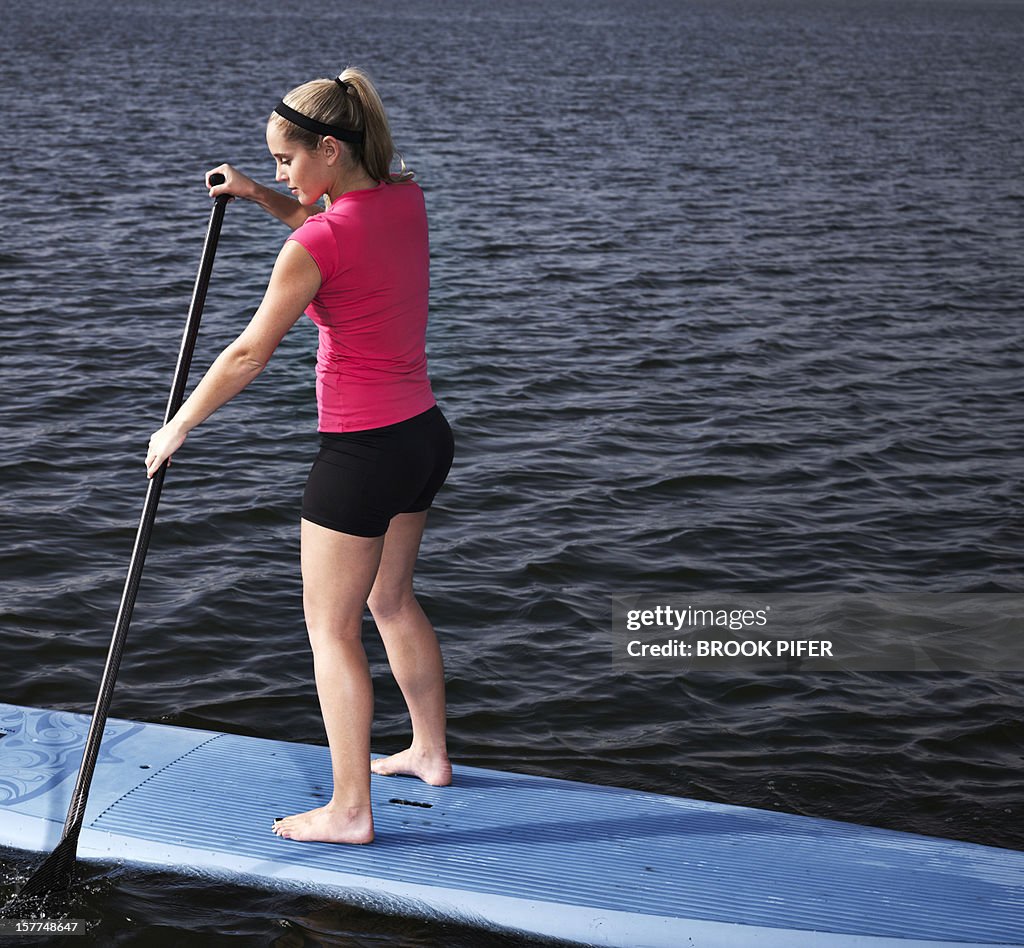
[[726, 295]]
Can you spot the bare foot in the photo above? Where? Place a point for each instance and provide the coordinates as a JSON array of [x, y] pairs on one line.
[[434, 769], [328, 824]]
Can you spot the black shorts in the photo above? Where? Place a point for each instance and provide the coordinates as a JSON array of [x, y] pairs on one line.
[[361, 479]]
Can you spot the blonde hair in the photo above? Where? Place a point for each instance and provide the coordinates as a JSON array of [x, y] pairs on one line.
[[356, 106]]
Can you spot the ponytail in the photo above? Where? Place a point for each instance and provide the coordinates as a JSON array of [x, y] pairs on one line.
[[348, 102]]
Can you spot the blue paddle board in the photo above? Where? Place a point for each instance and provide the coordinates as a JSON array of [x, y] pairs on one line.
[[588, 864]]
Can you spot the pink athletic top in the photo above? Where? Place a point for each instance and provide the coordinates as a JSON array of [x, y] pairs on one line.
[[371, 308]]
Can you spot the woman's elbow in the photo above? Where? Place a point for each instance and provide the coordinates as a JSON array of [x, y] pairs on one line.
[[245, 359]]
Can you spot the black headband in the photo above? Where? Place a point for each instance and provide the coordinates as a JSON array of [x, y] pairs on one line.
[[318, 128]]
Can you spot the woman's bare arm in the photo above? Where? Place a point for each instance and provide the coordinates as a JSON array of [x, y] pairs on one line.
[[293, 285], [284, 207]]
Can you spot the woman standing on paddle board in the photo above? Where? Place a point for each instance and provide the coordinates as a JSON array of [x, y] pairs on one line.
[[360, 271]]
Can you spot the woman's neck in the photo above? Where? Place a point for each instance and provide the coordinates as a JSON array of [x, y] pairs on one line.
[[354, 179]]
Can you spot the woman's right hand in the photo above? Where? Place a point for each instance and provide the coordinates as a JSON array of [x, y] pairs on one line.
[[162, 445], [235, 183], [282, 206]]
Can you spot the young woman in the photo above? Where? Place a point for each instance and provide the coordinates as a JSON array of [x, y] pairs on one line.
[[360, 271]]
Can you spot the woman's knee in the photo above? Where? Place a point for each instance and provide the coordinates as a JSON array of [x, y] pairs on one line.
[[327, 619], [387, 601], [325, 634]]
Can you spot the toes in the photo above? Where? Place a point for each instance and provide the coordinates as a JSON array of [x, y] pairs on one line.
[[282, 826]]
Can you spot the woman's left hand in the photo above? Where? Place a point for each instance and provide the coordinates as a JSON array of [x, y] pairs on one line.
[[162, 445]]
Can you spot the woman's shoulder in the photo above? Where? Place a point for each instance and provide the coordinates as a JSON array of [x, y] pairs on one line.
[[402, 186], [316, 234], [406, 192]]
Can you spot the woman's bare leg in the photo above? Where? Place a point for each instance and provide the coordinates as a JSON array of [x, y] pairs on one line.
[[413, 654], [338, 572]]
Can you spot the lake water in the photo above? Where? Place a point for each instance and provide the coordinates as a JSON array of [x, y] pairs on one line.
[[726, 296]]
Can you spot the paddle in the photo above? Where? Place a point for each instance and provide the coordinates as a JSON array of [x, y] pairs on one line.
[[57, 870]]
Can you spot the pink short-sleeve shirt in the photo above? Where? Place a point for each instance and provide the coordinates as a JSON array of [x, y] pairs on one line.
[[371, 310]]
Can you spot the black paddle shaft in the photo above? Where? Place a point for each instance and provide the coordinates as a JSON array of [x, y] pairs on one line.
[[57, 869]]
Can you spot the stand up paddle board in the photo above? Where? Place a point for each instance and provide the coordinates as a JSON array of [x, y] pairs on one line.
[[587, 864]]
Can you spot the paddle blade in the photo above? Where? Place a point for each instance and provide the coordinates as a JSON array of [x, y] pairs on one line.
[[55, 875]]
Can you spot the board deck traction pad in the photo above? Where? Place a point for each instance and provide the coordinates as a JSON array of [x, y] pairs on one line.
[[575, 861]]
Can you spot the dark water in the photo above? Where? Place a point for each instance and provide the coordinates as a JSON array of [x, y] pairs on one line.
[[726, 295]]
